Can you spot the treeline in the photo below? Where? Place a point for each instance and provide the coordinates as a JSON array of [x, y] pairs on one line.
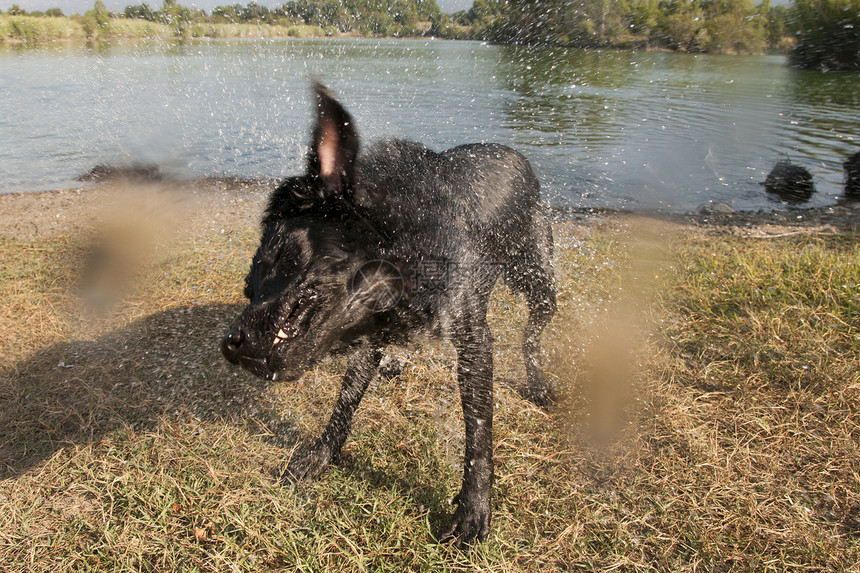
[[724, 26], [16, 10], [171, 20], [392, 18], [817, 33], [371, 17], [365, 17]]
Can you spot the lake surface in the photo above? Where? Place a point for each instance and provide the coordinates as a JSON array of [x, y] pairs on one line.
[[602, 129]]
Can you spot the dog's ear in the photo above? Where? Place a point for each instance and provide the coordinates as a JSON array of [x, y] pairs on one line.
[[334, 146]]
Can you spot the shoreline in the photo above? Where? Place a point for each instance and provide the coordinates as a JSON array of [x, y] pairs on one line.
[[135, 29], [234, 201], [261, 35]]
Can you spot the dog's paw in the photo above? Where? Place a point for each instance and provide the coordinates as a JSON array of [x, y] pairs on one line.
[[470, 524], [306, 466], [537, 391], [391, 367]]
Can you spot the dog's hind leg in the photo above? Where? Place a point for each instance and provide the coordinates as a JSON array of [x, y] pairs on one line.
[[533, 277], [541, 301], [309, 464]]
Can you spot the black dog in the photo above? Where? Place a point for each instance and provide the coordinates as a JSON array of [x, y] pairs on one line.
[[368, 250]]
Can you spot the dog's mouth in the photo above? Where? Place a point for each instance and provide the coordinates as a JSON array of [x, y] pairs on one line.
[[283, 360], [276, 357], [283, 376], [292, 341], [263, 368], [297, 317]]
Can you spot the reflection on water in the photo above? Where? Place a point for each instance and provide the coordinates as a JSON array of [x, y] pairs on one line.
[[677, 130], [612, 128]]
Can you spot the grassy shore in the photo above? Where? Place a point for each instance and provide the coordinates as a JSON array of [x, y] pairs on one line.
[[43, 29], [709, 419]]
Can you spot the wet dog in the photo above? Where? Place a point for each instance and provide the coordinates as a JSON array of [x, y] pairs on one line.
[[373, 247]]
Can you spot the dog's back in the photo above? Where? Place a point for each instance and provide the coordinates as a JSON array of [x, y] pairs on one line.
[[469, 215], [478, 196]]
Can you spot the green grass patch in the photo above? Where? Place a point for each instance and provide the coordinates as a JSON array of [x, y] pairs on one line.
[[766, 312]]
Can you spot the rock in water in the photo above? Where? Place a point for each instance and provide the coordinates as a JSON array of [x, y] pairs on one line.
[[852, 177], [137, 172], [791, 183], [715, 208]]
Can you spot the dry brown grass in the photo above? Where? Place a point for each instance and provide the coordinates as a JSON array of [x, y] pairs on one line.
[[709, 420]]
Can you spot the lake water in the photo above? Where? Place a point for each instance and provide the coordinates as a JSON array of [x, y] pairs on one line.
[[602, 129]]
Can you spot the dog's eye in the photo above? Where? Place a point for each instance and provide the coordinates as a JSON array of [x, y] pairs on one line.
[[296, 310]]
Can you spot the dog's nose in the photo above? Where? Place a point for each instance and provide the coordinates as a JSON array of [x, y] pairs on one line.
[[232, 344]]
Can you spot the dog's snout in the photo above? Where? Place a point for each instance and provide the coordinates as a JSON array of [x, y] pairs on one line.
[[232, 343]]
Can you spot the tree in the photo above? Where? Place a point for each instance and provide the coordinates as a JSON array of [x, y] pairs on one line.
[[256, 13], [54, 13], [176, 16], [140, 12], [681, 26], [370, 17], [828, 34], [99, 16], [775, 27], [734, 26], [227, 14], [642, 20]]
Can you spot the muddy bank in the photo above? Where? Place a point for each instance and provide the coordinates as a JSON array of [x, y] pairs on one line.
[[844, 217]]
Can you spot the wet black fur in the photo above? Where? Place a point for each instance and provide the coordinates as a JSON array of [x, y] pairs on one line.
[[374, 247], [852, 177]]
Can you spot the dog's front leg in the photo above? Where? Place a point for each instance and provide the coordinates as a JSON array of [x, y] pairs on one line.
[[471, 521], [307, 465]]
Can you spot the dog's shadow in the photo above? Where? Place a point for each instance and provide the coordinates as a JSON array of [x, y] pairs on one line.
[[165, 364]]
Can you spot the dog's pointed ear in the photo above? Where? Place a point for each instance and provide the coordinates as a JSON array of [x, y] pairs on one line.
[[334, 146]]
